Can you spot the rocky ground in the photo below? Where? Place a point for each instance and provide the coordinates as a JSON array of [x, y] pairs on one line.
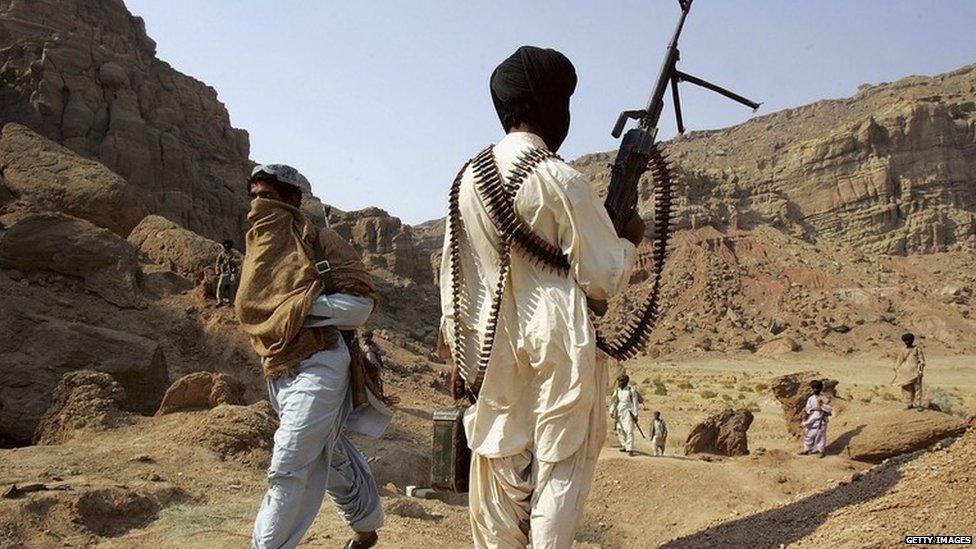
[[195, 478]]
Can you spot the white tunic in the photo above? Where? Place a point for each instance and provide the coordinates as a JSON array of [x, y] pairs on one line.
[[541, 379]]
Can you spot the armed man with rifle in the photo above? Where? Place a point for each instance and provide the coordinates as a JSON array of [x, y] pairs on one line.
[[527, 245]]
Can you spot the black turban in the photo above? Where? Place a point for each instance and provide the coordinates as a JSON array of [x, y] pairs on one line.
[[534, 85]]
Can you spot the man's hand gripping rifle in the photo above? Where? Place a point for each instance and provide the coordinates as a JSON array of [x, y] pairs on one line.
[[637, 154]]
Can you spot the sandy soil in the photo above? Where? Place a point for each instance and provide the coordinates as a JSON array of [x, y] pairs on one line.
[[137, 487]]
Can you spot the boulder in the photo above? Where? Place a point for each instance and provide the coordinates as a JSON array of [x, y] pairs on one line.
[[74, 247], [723, 434], [237, 433], [778, 347], [201, 391], [896, 432], [792, 392], [182, 251], [44, 176], [82, 401], [37, 350]]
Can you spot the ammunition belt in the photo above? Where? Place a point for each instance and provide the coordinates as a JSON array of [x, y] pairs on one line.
[[498, 197], [633, 337], [499, 200]]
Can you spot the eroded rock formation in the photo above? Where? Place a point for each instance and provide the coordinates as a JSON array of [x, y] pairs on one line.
[[85, 75], [723, 433], [82, 401]]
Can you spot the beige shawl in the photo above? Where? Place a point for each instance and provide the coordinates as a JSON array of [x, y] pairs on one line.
[[279, 284]]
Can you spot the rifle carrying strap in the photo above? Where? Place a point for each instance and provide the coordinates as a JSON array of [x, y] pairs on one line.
[[322, 266]]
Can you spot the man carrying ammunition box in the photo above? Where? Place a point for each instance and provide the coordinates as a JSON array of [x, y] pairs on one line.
[[528, 241], [302, 292]]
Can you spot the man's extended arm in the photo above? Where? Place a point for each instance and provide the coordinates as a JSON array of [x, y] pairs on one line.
[[344, 311]]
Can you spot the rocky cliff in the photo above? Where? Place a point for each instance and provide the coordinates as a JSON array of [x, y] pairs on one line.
[[890, 170], [85, 74], [834, 226]]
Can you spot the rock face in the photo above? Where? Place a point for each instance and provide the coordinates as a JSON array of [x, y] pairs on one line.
[[83, 401], [792, 392], [889, 170], [722, 434], [810, 223], [899, 432], [44, 176], [84, 74], [172, 246], [201, 391], [74, 247], [37, 350], [385, 242], [237, 433]]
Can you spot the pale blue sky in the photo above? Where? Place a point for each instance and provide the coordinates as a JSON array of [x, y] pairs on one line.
[[379, 103]]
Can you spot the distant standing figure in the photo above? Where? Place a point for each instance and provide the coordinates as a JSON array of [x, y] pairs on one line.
[[818, 412], [623, 410], [911, 383], [228, 268], [659, 434], [371, 351]]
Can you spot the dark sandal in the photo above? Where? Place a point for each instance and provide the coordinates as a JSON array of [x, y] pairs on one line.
[[353, 544]]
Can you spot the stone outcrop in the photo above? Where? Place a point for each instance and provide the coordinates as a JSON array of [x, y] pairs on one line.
[[182, 251], [236, 433], [85, 75], [70, 246], [722, 434], [385, 242], [82, 401], [201, 391], [42, 176], [778, 347], [897, 432], [792, 392], [37, 350]]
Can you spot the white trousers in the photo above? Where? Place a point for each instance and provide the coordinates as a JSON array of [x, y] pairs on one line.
[[312, 457], [625, 430], [515, 499]]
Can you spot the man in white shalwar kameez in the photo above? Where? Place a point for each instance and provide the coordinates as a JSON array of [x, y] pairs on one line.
[[624, 403], [538, 424]]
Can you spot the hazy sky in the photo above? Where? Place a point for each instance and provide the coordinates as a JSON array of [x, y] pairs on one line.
[[379, 103]]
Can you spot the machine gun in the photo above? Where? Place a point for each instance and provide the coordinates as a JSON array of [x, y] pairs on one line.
[[639, 153], [637, 147]]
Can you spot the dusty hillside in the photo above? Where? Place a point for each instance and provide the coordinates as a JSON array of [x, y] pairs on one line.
[[829, 227]]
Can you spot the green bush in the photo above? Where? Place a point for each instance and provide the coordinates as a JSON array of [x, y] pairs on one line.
[[708, 394]]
